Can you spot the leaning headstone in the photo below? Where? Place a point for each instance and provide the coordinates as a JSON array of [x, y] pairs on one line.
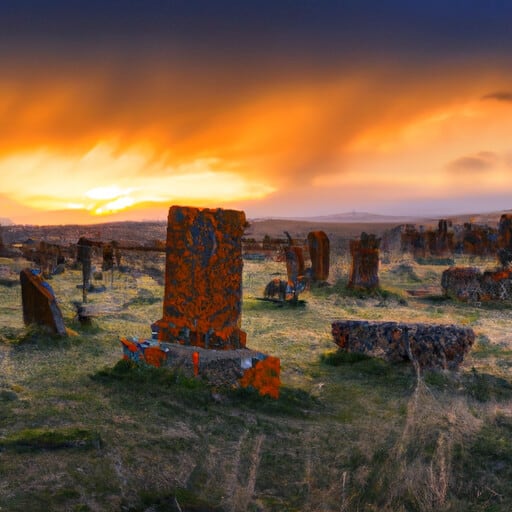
[[39, 302], [427, 345], [203, 278], [318, 243], [365, 262]]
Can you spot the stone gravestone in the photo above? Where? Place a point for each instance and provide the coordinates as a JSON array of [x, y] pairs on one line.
[[318, 243], [199, 332], [365, 262], [295, 271], [504, 252], [39, 302], [427, 345], [203, 278], [84, 252]]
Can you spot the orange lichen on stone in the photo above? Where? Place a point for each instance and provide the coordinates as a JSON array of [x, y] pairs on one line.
[[143, 352], [203, 282], [264, 377]]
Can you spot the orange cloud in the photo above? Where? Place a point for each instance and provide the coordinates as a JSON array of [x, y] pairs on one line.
[[158, 132]]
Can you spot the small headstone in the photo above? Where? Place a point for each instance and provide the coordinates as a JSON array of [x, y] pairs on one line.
[[365, 262]]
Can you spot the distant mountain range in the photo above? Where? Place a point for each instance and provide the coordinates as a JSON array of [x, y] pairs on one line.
[[356, 217]]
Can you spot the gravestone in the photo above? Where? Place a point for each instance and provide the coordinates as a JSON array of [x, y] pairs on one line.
[[39, 302], [319, 249], [427, 345], [84, 256], [504, 252], [470, 284], [199, 332], [203, 279], [365, 262], [294, 263]]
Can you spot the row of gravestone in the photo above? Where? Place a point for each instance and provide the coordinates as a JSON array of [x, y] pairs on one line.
[[203, 297], [471, 239]]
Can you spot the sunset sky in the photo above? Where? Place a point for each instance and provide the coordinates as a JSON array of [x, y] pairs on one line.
[[114, 110]]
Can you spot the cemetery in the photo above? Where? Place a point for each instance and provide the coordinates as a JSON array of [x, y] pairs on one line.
[[163, 360]]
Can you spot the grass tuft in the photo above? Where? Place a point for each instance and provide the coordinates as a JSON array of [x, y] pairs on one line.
[[291, 402], [339, 357], [51, 439]]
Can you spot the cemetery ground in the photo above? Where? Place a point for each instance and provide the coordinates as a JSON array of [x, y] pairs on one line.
[[80, 431]]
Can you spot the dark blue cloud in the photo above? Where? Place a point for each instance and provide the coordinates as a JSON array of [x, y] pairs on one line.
[[327, 28]]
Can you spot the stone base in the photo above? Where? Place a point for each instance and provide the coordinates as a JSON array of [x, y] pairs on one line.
[[431, 346], [233, 368], [229, 339]]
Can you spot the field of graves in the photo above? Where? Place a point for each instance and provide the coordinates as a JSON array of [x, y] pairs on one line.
[[82, 431]]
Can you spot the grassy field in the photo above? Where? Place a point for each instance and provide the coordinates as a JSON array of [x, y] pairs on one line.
[[81, 432]]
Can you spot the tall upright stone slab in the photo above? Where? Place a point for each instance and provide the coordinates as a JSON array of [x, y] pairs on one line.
[[294, 263], [365, 262], [319, 252], [39, 302], [203, 279], [504, 251]]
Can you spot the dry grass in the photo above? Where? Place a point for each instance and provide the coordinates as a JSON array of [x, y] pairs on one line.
[[359, 435]]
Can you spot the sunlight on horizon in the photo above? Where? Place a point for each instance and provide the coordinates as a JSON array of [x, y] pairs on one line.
[[105, 180]]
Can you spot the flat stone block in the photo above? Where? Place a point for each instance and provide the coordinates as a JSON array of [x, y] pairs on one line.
[[430, 345]]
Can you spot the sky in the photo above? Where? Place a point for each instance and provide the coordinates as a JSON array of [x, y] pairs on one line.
[[117, 110]]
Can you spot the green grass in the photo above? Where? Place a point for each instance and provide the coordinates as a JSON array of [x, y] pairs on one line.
[[51, 439], [81, 429]]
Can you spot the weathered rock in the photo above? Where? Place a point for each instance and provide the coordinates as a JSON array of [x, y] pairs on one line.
[[39, 302], [319, 252], [429, 345]]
